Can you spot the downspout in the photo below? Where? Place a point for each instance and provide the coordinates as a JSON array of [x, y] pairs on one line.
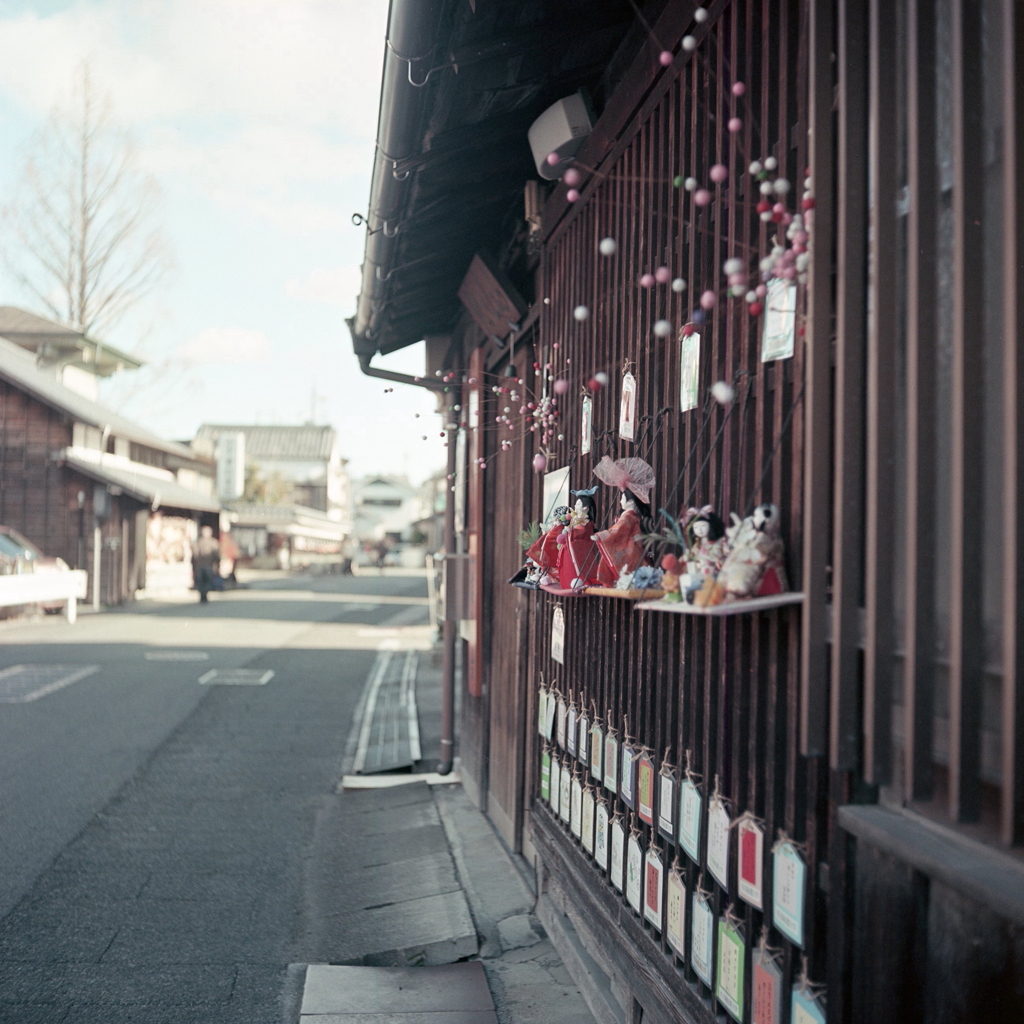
[[449, 634], [398, 378]]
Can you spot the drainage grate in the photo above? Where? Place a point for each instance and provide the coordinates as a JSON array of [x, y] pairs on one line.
[[177, 656], [389, 736], [20, 684], [237, 677]]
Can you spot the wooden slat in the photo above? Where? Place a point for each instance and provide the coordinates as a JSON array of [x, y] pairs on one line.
[[919, 575], [881, 398], [966, 623], [818, 397], [848, 488], [1012, 654]]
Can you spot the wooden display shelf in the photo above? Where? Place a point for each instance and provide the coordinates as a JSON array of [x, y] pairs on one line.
[[740, 607], [631, 594], [561, 591]]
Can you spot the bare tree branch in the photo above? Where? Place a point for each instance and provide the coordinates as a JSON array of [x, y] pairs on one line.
[[79, 231]]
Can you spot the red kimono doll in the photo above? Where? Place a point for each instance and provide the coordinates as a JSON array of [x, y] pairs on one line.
[[579, 561], [620, 545], [545, 551]]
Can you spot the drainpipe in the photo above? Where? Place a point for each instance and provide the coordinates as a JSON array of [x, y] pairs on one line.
[[449, 634]]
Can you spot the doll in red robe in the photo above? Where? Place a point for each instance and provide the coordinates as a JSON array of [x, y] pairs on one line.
[[544, 551], [579, 562], [620, 545]]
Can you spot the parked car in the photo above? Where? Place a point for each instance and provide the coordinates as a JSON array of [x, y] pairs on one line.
[[18, 554]]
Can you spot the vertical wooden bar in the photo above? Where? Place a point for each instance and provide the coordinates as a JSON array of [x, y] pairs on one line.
[[881, 399], [851, 307], [818, 397], [919, 574], [966, 642], [1012, 654]]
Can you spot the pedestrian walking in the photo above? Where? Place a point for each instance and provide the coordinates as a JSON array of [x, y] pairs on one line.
[[205, 562]]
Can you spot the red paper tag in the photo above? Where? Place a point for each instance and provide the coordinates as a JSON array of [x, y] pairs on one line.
[[765, 996], [748, 857]]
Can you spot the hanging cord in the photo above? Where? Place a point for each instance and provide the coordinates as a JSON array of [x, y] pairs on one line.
[[771, 455], [659, 421]]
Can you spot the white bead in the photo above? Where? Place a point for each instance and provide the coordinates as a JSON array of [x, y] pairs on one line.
[[802, 261], [750, 297], [678, 285], [733, 266], [756, 168], [689, 44], [662, 328], [766, 264], [700, 15], [581, 313], [766, 188], [777, 251], [607, 247], [781, 186], [771, 163], [722, 392], [766, 216], [690, 184]]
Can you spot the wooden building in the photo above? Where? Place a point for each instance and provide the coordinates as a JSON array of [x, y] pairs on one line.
[[863, 742], [93, 488]]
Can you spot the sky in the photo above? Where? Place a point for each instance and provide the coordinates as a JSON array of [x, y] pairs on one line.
[[257, 118]]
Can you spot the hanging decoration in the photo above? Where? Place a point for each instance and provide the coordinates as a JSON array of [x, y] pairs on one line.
[[766, 984], [789, 878], [587, 819], [583, 739], [545, 775], [558, 635], [621, 545], [576, 806], [549, 715], [586, 425], [779, 336], [654, 889], [690, 814], [570, 726], [689, 371], [627, 408], [645, 787], [808, 1004], [562, 714], [732, 965], [617, 830], [627, 774], [750, 840], [597, 750], [611, 760], [555, 791], [718, 839], [668, 784], [565, 794], [675, 911], [542, 707], [602, 839], [702, 937], [634, 872]]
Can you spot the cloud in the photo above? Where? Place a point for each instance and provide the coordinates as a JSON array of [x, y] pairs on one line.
[[226, 345], [337, 286]]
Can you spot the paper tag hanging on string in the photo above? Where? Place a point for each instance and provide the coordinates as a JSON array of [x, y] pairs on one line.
[[718, 842], [545, 776], [565, 794], [634, 873], [689, 819], [667, 785], [789, 878], [766, 990], [558, 635], [611, 761], [779, 337], [750, 839], [627, 775], [586, 425], [627, 408], [654, 889], [602, 839], [597, 752], [561, 715], [732, 968], [645, 789], [576, 807], [701, 938], [805, 1008], [617, 832], [675, 913], [542, 709], [556, 784], [549, 716], [570, 730], [689, 373], [583, 740], [587, 820]]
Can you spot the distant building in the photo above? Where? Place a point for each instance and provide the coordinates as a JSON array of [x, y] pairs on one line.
[[69, 356], [293, 508], [90, 487]]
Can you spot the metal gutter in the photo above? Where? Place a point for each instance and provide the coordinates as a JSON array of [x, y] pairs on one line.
[[409, 60]]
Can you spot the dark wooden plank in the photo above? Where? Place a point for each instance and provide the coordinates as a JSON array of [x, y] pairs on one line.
[[1012, 653], [966, 623], [881, 400]]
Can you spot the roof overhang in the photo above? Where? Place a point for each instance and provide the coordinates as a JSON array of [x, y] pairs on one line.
[[151, 491]]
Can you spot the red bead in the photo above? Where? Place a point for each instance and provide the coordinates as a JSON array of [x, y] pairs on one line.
[[756, 309], [764, 206], [688, 330], [808, 204]]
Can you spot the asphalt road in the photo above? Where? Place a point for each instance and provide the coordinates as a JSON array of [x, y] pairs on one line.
[[156, 834]]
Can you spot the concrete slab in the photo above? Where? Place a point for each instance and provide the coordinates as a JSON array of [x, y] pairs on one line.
[[384, 990], [441, 1017], [517, 931]]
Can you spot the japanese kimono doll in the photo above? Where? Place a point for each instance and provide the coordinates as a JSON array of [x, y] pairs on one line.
[[755, 565], [706, 548], [579, 561], [544, 552], [620, 545]]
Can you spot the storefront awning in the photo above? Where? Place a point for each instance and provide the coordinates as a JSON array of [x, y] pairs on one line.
[[150, 490]]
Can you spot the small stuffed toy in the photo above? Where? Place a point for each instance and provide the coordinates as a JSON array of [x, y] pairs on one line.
[[755, 564], [670, 579]]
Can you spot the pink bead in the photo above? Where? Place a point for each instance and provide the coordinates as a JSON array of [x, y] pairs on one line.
[[572, 176], [761, 291], [779, 208], [708, 300], [663, 275], [736, 279], [647, 281], [735, 124], [665, 58], [561, 386], [572, 195], [800, 238], [738, 88], [718, 173], [553, 159], [540, 462], [702, 197]]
